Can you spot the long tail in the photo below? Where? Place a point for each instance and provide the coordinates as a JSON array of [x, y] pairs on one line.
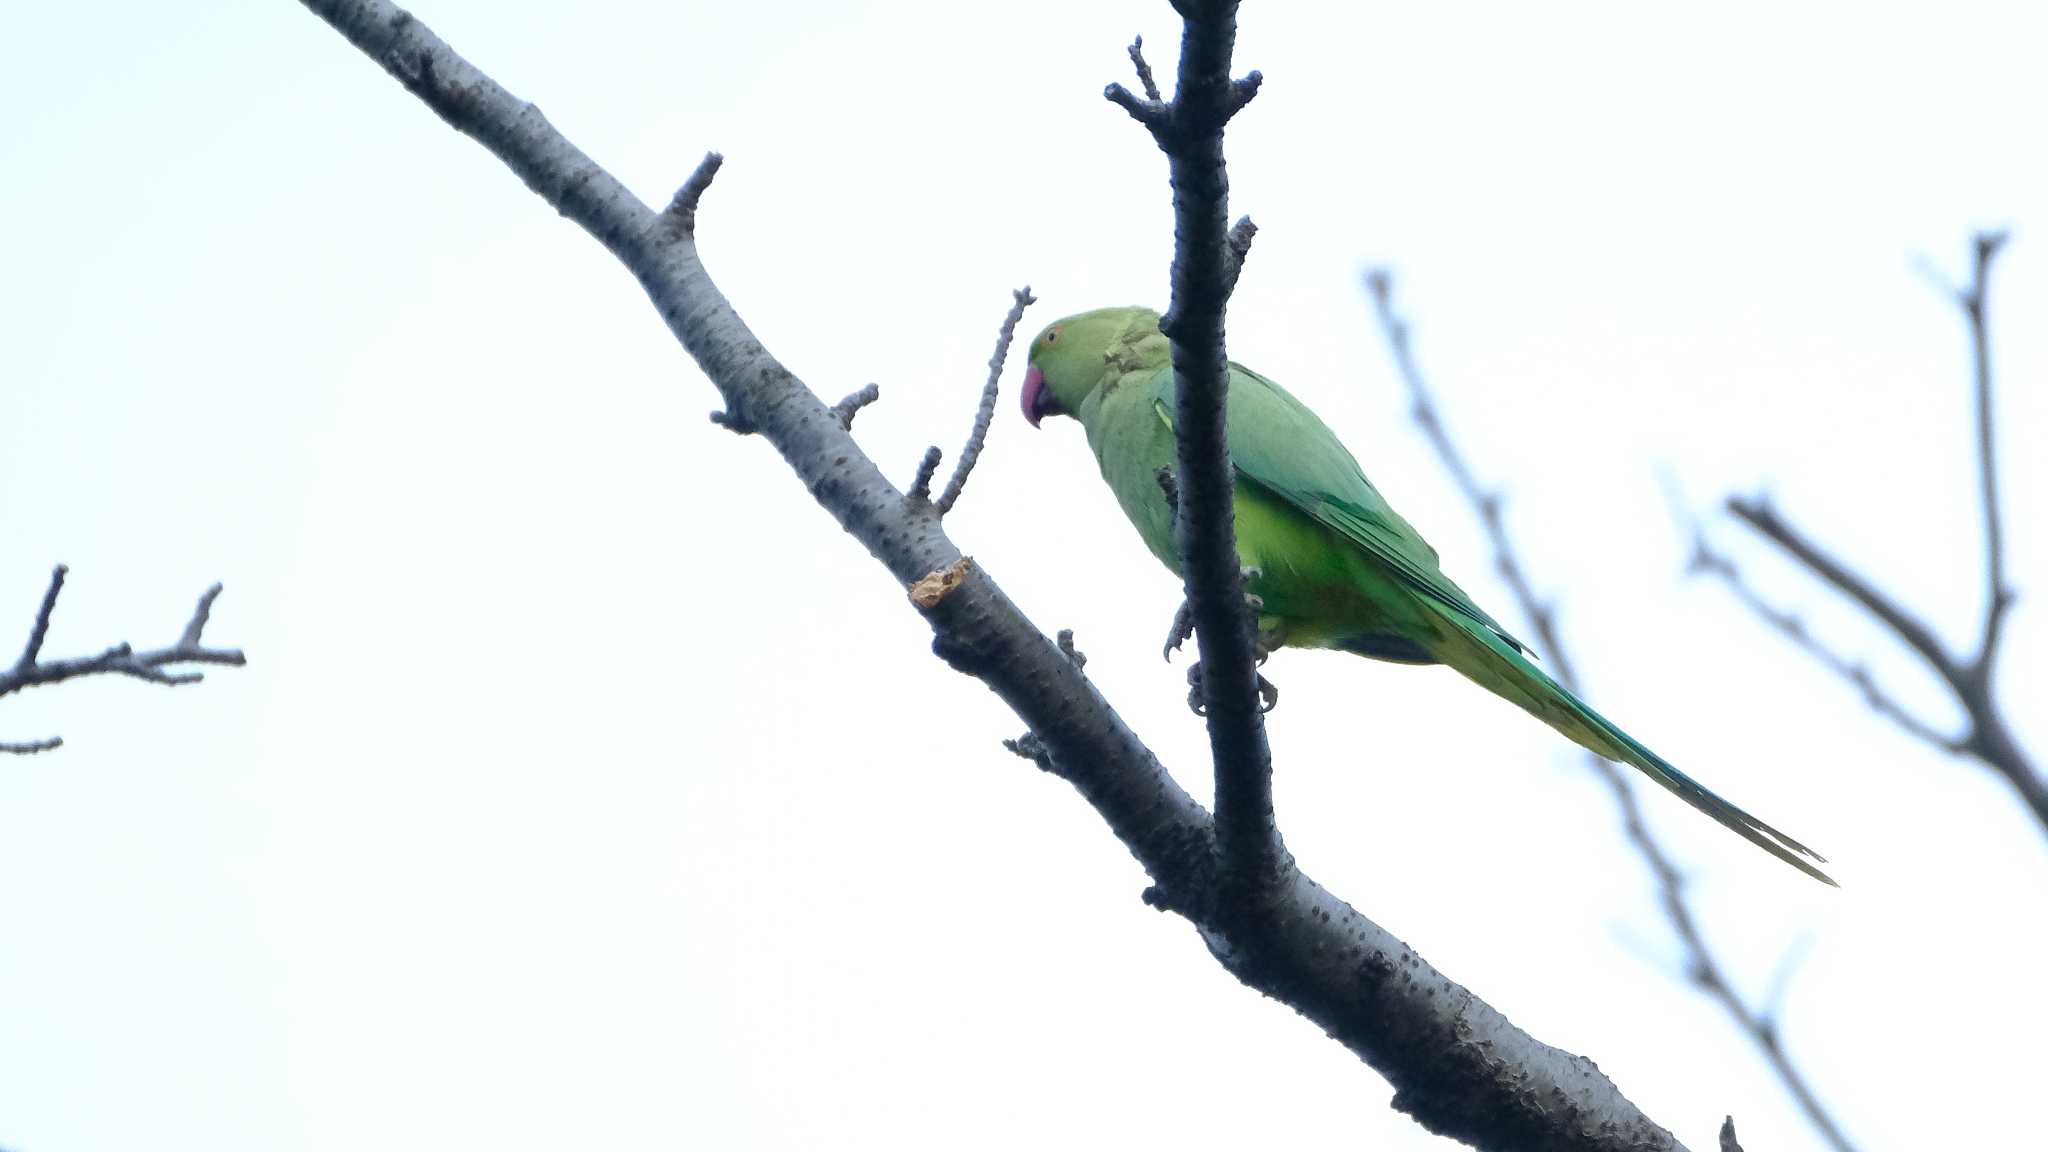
[[1487, 660]]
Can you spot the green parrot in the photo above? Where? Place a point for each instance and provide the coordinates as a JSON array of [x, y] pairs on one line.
[[1328, 563]]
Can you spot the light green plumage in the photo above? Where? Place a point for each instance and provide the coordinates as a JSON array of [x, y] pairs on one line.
[[1337, 567]]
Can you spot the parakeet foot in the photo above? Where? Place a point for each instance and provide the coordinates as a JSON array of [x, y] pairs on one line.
[[1183, 627], [1268, 694], [1184, 620], [1264, 643]]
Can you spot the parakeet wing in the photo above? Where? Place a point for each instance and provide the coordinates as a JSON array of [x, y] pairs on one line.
[[1279, 444]]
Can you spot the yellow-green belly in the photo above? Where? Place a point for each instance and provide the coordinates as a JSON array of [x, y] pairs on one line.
[[1319, 589]]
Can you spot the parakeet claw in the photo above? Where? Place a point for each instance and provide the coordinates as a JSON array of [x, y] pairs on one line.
[[1267, 643], [1184, 622], [1183, 627], [1264, 643], [1269, 695]]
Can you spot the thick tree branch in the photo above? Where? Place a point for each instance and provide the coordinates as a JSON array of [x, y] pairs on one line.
[[1206, 259], [1972, 681], [1702, 967], [154, 665], [1457, 1066]]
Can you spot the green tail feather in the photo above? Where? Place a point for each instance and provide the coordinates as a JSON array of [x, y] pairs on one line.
[[1488, 660]]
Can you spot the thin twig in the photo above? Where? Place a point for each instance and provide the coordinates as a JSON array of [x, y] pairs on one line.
[[1759, 514], [1145, 81], [1702, 968], [1772, 1007], [154, 665], [1999, 595], [189, 639], [31, 747], [1149, 110], [927, 467], [854, 402], [681, 213], [1207, 255], [1708, 560], [985, 413], [41, 628]]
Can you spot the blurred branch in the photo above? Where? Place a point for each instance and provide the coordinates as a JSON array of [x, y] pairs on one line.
[[1702, 967], [1972, 680], [1457, 1066], [1706, 559], [1206, 259], [1998, 594], [152, 665], [1764, 519]]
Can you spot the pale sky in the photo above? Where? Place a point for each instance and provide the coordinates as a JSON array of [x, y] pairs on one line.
[[587, 788]]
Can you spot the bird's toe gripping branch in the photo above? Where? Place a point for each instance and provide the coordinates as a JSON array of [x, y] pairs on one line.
[[1184, 627], [1184, 617], [1269, 695]]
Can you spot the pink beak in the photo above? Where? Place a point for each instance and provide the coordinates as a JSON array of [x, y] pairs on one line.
[[1034, 387]]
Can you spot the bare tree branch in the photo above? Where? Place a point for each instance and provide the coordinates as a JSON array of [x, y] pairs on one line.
[[850, 405], [680, 217], [1988, 736], [1998, 594], [1758, 513], [921, 485], [1206, 259], [154, 665], [1457, 1066], [1702, 967], [1707, 559], [984, 414], [40, 630], [1144, 70]]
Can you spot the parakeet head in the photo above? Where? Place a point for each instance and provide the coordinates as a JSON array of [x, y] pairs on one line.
[[1072, 357]]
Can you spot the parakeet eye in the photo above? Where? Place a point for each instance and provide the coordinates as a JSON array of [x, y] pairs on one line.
[[1051, 335]]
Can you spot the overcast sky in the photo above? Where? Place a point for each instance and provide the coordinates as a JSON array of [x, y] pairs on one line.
[[587, 788]]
